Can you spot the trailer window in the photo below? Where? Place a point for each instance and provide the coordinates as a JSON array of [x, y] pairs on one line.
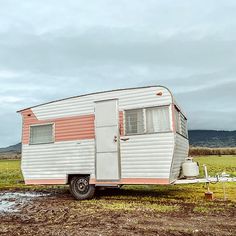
[[41, 134], [158, 119], [181, 123], [177, 120], [134, 121]]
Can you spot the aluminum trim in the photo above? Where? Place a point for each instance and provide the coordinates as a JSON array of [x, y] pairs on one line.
[[107, 91]]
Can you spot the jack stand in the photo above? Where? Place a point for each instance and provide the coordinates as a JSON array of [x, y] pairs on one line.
[[209, 194]]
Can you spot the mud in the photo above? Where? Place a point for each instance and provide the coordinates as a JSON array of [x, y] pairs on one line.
[[14, 201], [114, 212]]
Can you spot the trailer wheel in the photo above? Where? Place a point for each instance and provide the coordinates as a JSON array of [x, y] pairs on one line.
[[80, 188]]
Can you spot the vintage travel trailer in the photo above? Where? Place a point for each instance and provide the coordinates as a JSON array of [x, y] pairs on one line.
[[111, 138]]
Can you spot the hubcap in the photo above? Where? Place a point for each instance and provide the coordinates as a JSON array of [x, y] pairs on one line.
[[82, 185]]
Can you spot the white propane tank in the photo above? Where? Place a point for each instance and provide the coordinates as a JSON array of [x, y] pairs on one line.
[[190, 168]]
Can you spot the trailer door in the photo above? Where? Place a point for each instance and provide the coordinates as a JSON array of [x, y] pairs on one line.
[[107, 140]]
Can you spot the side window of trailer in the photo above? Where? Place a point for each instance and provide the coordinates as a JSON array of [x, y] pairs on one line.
[[40, 134], [147, 120], [181, 123], [177, 120], [158, 119], [134, 121]]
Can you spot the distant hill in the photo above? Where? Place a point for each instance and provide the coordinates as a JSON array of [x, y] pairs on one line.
[[212, 138], [14, 148]]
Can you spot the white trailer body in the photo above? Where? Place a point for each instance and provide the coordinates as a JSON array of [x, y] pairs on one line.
[[125, 136]]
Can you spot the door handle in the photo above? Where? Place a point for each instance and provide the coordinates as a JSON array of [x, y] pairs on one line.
[[124, 139], [115, 138]]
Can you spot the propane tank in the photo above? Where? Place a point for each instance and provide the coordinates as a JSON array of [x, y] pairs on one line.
[[190, 168]]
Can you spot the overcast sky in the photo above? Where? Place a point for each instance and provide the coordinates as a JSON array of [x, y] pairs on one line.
[[52, 49]]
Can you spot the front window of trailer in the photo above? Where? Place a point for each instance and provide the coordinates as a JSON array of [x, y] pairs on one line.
[[158, 119], [134, 120], [177, 120], [40, 134], [147, 120], [181, 123]]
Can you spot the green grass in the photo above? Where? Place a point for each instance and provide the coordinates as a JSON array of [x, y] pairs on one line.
[[10, 174], [168, 196], [163, 208], [217, 164], [208, 209], [147, 199], [201, 209], [123, 205]]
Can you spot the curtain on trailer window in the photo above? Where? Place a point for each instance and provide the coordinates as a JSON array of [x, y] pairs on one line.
[[158, 119], [41, 134]]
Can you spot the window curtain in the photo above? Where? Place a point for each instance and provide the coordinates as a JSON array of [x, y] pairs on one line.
[[41, 134], [158, 119], [140, 121]]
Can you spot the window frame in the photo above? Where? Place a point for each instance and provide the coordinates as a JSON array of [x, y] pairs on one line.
[[184, 133], [145, 120], [37, 125], [180, 122], [177, 128]]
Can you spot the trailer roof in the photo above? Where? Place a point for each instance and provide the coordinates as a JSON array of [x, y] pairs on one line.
[[58, 100]]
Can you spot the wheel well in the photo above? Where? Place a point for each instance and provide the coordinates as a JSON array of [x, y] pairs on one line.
[[70, 176]]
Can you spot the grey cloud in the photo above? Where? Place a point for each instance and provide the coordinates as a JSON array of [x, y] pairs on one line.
[[55, 49], [217, 120], [211, 107], [68, 53]]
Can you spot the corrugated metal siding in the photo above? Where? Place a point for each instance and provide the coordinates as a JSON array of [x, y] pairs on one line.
[[121, 125], [128, 99], [180, 153], [143, 156], [28, 119], [66, 129], [55, 161], [81, 127], [147, 156]]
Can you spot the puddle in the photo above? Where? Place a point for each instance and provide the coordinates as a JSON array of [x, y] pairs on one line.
[[13, 201]]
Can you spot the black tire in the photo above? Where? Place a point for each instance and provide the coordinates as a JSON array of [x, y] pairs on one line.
[[80, 188]]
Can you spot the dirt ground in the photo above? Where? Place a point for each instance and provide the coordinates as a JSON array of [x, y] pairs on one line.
[[116, 212]]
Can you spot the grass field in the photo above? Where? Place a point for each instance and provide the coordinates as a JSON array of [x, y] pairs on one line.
[[217, 164], [11, 178], [10, 174], [131, 210]]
